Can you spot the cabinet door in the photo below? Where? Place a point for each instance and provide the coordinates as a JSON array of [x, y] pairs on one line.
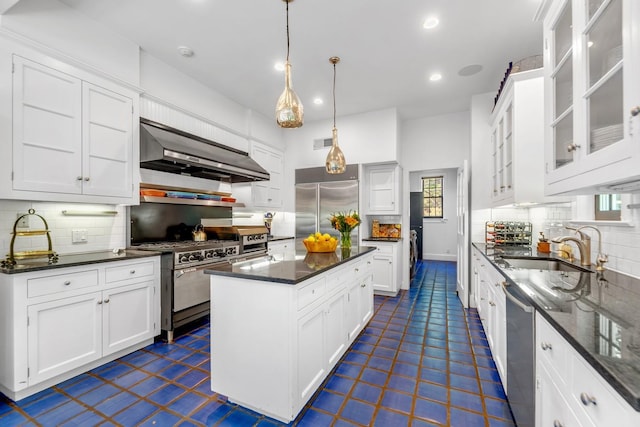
[[108, 142], [354, 318], [551, 407], [128, 316], [382, 190], [336, 333], [383, 273], [267, 193], [311, 353], [47, 129], [63, 335], [366, 299]]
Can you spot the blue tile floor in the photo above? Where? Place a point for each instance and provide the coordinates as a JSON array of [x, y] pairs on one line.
[[422, 361]]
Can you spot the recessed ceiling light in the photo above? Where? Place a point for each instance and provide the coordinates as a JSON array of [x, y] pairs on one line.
[[318, 101], [431, 22], [279, 66], [590, 43], [185, 51], [470, 70], [435, 77]]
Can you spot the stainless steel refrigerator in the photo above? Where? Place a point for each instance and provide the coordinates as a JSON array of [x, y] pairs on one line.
[[318, 195]]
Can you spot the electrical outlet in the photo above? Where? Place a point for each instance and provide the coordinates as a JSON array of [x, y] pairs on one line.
[[24, 222], [79, 236]]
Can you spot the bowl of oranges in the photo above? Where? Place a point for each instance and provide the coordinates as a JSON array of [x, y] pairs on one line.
[[319, 242]]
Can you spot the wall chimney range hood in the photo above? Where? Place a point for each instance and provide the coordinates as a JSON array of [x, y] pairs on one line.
[[171, 150]]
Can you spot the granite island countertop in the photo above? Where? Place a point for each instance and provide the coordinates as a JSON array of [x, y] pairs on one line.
[[288, 268], [72, 260], [581, 306]]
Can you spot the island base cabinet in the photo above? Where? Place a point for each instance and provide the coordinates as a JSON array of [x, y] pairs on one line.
[[311, 350], [58, 340], [279, 341]]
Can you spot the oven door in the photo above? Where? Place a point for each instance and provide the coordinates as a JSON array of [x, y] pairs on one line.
[[190, 287]]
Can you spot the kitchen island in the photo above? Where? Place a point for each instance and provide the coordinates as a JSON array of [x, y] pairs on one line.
[[279, 324]]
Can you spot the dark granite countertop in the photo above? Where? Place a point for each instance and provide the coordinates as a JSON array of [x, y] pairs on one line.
[[288, 269], [72, 260], [596, 312], [382, 239], [276, 238]]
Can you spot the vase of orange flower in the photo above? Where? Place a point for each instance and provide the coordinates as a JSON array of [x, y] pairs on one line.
[[345, 222]]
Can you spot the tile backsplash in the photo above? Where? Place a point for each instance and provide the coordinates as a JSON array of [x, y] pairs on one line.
[[620, 242], [103, 232]]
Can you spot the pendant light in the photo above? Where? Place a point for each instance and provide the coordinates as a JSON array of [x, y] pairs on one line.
[[335, 159], [289, 110]]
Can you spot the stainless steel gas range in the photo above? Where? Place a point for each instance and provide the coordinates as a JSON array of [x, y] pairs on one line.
[[184, 295], [184, 286]]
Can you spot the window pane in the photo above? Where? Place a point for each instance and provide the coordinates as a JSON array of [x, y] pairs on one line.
[[608, 207], [432, 196]]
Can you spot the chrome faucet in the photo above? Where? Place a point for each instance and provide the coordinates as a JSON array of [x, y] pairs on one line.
[[601, 258], [584, 246]]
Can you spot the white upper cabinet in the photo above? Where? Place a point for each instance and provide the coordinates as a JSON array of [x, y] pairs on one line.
[[517, 141], [383, 189], [72, 140], [267, 194], [592, 96]]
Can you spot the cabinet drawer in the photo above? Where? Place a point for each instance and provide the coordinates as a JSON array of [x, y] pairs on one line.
[[384, 249], [128, 271], [552, 349], [311, 293], [338, 278], [595, 398], [61, 283]]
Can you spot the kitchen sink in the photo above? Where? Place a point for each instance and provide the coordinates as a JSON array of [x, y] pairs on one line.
[[543, 264]]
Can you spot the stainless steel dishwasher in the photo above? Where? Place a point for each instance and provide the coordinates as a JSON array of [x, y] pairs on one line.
[[521, 359]]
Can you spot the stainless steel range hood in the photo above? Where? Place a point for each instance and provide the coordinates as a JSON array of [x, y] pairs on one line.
[[170, 150]]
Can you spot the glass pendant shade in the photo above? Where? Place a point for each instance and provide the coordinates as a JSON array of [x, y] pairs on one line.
[[289, 110], [335, 159]]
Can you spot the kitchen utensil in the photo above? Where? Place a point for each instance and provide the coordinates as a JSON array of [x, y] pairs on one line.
[[199, 235]]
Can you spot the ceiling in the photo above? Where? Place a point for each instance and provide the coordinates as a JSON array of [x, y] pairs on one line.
[[386, 54]]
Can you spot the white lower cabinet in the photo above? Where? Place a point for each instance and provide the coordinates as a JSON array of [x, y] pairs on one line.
[[491, 305], [569, 392], [59, 325], [386, 274], [299, 332]]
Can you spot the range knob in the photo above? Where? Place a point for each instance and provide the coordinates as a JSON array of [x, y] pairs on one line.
[[209, 255], [184, 258], [192, 257]]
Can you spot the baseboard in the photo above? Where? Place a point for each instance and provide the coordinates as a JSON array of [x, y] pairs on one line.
[[439, 257]]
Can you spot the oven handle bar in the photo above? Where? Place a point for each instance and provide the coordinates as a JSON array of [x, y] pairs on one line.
[[525, 308]]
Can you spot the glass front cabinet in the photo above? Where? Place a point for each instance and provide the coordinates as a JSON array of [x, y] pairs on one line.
[[592, 94]]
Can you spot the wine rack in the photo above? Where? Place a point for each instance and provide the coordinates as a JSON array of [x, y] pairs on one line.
[[512, 233]]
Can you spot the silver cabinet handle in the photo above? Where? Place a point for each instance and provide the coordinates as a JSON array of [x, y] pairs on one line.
[[545, 346], [587, 400], [67, 282], [78, 178], [364, 285], [99, 302], [572, 147], [635, 111], [356, 270], [86, 178], [132, 272], [492, 304], [557, 423], [106, 301]]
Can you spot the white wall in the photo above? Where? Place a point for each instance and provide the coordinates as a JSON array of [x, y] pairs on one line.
[[73, 35], [481, 106]]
